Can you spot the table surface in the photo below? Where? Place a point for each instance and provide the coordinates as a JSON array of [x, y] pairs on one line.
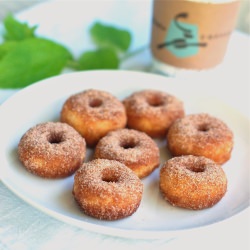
[[24, 227]]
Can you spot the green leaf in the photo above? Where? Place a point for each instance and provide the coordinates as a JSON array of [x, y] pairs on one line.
[[103, 58], [32, 60], [110, 36], [15, 30], [6, 47]]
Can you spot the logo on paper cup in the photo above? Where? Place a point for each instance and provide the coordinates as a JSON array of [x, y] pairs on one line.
[[182, 38]]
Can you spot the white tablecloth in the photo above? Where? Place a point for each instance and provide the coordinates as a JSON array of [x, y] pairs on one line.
[[23, 227]]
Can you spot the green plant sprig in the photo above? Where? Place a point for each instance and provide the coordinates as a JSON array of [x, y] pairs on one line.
[[26, 58]]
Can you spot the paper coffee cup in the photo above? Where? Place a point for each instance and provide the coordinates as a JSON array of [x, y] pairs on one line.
[[192, 34]]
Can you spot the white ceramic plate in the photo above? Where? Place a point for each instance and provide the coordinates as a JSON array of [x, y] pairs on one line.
[[155, 218]]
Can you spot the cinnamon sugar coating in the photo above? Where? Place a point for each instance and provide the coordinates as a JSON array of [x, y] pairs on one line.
[[133, 148], [52, 150], [192, 182], [93, 113], [201, 135], [107, 189], [152, 111]]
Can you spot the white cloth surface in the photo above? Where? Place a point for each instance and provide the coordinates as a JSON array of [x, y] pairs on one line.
[[23, 227]]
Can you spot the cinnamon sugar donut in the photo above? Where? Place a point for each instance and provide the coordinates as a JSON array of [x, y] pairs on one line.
[[93, 113], [133, 148], [107, 190], [152, 111], [201, 135], [192, 182], [52, 150]]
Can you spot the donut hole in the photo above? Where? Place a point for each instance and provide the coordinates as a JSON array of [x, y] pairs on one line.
[[95, 103], [55, 138], [109, 176], [129, 144], [196, 169], [155, 101], [203, 127]]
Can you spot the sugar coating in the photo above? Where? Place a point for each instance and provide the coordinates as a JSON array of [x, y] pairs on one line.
[[193, 182], [201, 134], [93, 113], [133, 148], [95, 104], [52, 150], [152, 111], [107, 189], [152, 102]]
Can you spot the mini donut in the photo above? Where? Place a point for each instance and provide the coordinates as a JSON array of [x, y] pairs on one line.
[[192, 182], [133, 148], [52, 150], [107, 189], [93, 113], [201, 135], [152, 111]]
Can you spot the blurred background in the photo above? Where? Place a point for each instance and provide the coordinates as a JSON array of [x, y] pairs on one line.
[[7, 6]]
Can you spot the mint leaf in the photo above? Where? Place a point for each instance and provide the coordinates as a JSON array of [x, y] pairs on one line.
[[15, 30], [110, 36], [6, 47], [32, 60], [103, 58], [26, 58]]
